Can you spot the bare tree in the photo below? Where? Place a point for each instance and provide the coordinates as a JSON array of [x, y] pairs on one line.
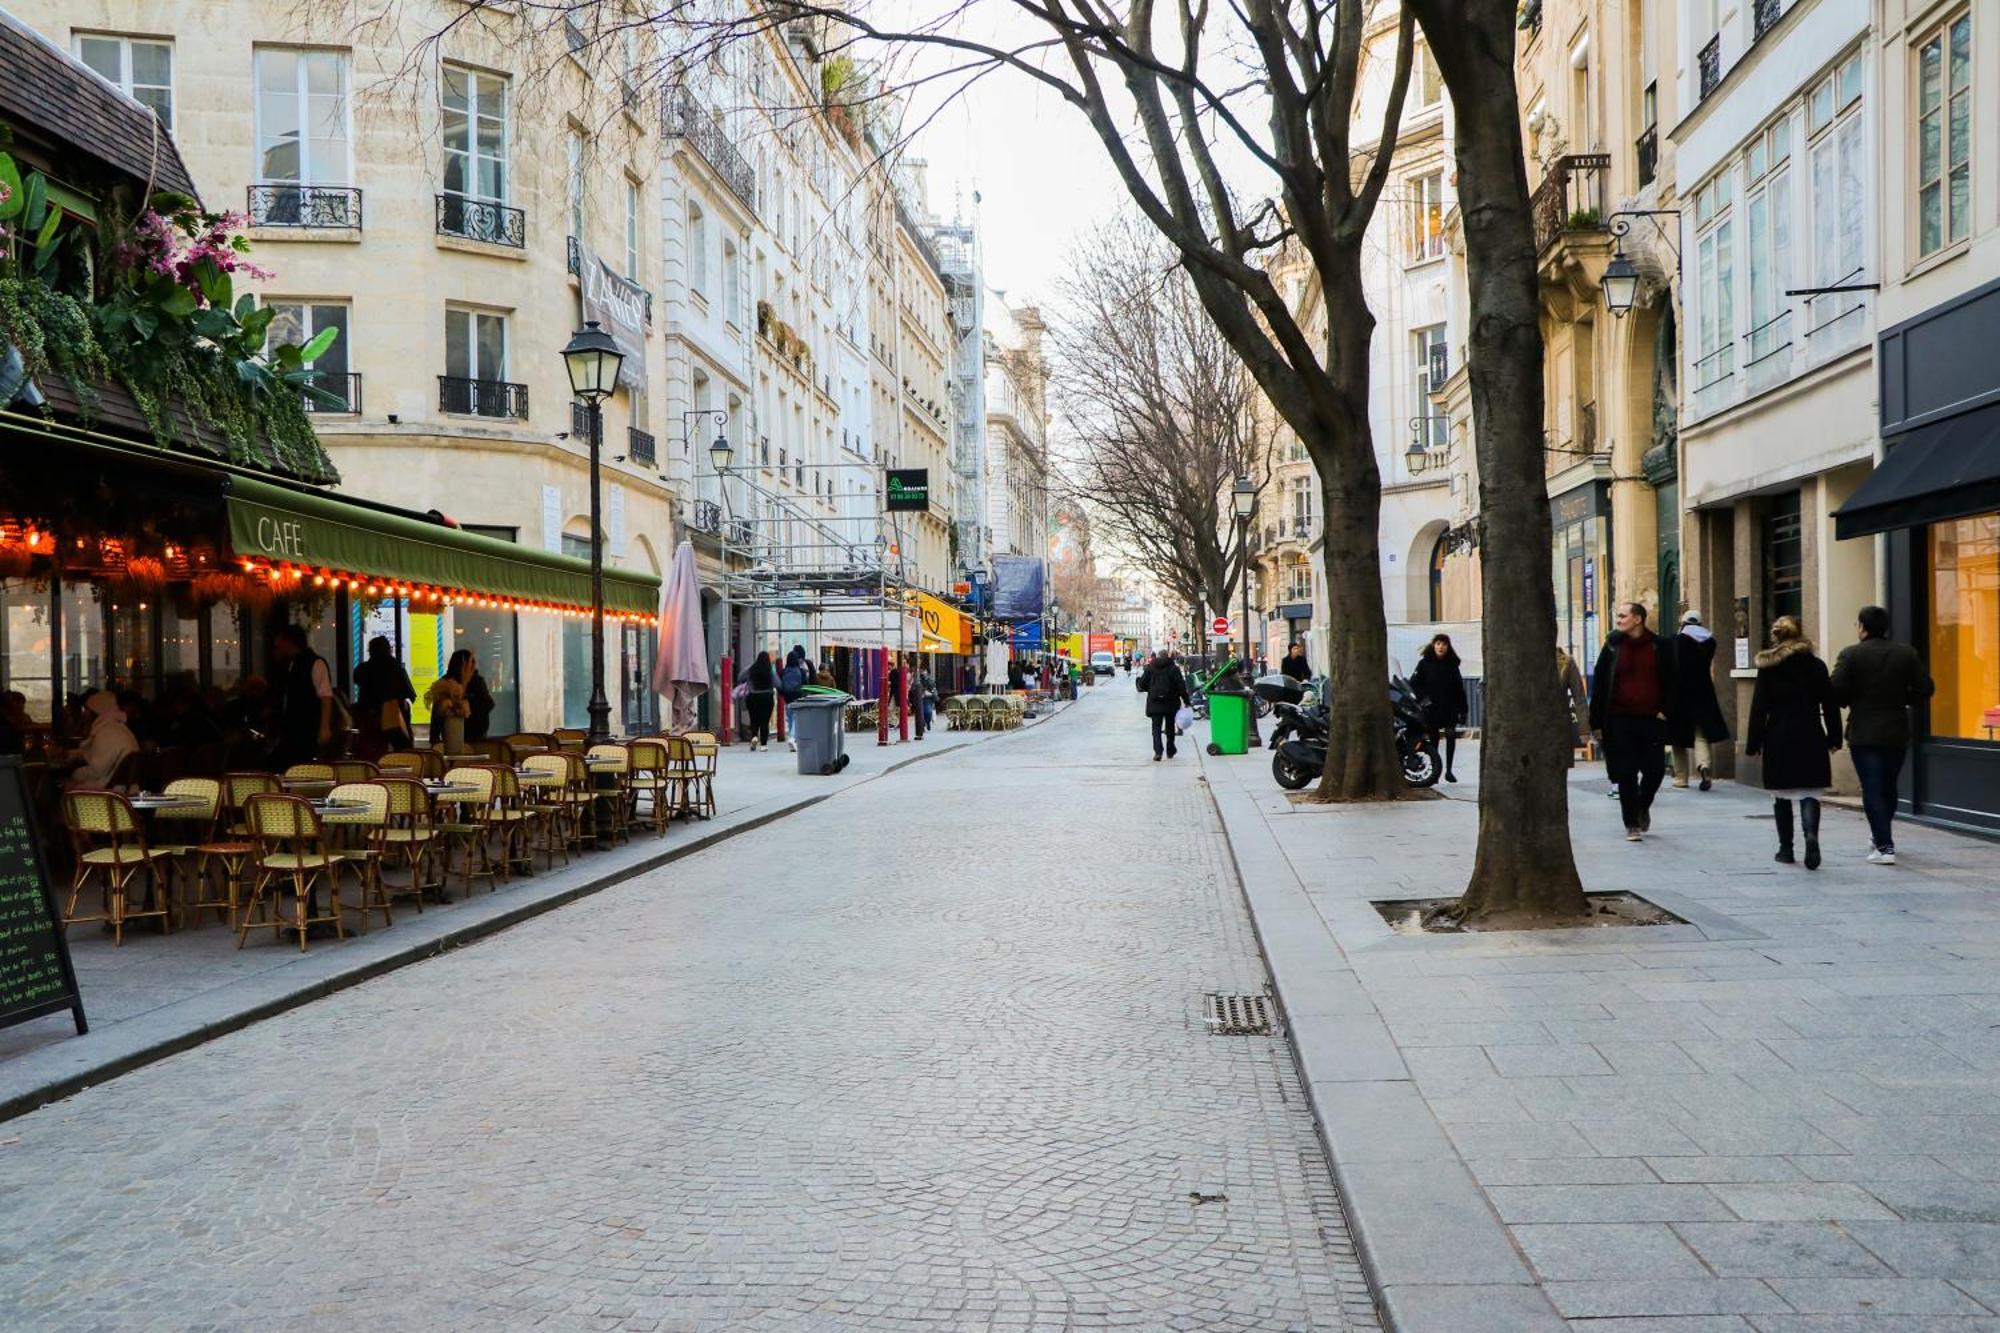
[[1160, 410], [1525, 869]]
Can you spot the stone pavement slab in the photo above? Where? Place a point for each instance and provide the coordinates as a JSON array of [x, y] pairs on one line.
[[1727, 1123], [155, 995]]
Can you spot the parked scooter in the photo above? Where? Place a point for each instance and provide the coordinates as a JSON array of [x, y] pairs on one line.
[[1298, 739]]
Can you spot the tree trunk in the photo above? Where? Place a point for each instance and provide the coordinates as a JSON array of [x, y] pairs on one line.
[[1525, 869]]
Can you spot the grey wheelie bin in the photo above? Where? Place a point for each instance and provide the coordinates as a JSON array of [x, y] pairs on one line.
[[815, 723]]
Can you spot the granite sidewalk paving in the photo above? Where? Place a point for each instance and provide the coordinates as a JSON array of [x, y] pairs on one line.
[[1783, 1116], [160, 994]]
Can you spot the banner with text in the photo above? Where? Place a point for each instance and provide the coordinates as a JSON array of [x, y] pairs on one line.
[[619, 306]]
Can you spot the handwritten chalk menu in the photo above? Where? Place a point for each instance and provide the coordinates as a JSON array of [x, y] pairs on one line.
[[35, 973]]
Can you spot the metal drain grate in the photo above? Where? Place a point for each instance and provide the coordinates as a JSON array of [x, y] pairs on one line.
[[1238, 1015]]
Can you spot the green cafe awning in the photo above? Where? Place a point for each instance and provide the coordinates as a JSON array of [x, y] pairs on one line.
[[285, 526]]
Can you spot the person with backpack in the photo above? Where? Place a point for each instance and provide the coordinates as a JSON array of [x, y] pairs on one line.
[[1166, 693], [792, 682]]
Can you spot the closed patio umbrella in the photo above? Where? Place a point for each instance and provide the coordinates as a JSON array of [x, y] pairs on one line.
[[680, 673]]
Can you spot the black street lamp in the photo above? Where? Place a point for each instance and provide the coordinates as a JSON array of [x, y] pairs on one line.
[[1243, 495], [593, 360]]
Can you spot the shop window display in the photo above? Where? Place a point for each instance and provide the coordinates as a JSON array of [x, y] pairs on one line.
[[1965, 627]]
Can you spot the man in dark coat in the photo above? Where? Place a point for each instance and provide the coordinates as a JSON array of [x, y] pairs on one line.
[[1295, 664], [1699, 724], [1878, 681], [1634, 693], [1166, 691]]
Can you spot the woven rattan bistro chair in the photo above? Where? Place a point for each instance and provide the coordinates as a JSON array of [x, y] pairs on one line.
[[237, 789], [547, 790], [209, 843], [310, 773], [468, 824], [707, 754], [292, 858], [515, 818], [111, 850], [613, 783], [648, 777], [354, 770], [401, 763], [410, 834], [362, 830]]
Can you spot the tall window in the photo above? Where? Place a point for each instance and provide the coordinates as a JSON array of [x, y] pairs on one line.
[[1839, 169], [1767, 216], [1301, 491], [299, 322], [697, 244], [1784, 558], [1426, 205], [475, 134], [1965, 627], [302, 131], [475, 345], [1944, 135], [143, 69], [732, 283], [1424, 80], [573, 153], [1715, 344], [632, 229], [1428, 349]]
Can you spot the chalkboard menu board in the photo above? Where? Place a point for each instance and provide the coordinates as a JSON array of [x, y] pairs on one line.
[[35, 973]]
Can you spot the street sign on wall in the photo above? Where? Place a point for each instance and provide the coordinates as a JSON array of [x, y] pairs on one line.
[[909, 490]]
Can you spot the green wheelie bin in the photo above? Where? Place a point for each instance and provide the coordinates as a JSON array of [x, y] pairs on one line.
[[1228, 722]]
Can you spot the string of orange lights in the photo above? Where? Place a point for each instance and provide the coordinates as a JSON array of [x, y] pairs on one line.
[[280, 575]]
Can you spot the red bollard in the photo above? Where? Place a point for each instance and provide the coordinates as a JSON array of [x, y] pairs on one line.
[[778, 713], [881, 696], [725, 704]]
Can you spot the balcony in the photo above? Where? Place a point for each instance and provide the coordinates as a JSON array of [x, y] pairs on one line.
[[579, 422], [481, 220], [1765, 16], [1570, 198], [682, 117], [640, 447], [332, 206], [1647, 149], [706, 517], [341, 390], [482, 398], [1710, 62]]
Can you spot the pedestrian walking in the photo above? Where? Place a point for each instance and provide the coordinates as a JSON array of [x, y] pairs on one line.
[[1699, 726], [1166, 693], [1633, 694], [760, 681], [1440, 689], [1575, 700], [1795, 728], [382, 698], [1295, 664], [1878, 681]]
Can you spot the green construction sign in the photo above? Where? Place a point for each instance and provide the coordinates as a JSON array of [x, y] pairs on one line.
[[909, 490]]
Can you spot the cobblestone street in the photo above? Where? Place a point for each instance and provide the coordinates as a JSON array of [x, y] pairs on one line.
[[929, 1054]]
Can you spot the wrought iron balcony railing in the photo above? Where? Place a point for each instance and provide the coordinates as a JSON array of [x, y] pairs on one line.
[[482, 398], [343, 390], [707, 517], [337, 206], [1765, 17], [1710, 62], [1570, 197], [682, 117], [481, 220], [579, 422], [640, 447], [1647, 149]]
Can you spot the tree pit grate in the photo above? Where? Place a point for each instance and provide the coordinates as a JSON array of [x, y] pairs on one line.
[[1237, 1015]]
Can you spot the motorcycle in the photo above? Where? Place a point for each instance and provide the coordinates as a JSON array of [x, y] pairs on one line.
[[1298, 739]]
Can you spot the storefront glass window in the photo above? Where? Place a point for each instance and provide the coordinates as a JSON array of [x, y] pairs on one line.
[[132, 642], [180, 648], [489, 635], [1965, 627], [84, 664], [225, 645], [642, 706], [24, 643], [576, 651]]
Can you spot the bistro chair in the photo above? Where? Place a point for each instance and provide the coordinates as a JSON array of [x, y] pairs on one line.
[[546, 789], [401, 763], [583, 794], [354, 770], [210, 843], [410, 832], [524, 743], [515, 820], [707, 755], [954, 713], [364, 827], [649, 777], [467, 827], [237, 789], [685, 771], [111, 848], [612, 780], [570, 735], [292, 857]]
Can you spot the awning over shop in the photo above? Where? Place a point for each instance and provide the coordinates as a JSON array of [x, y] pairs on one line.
[[944, 629], [280, 526], [869, 627], [1946, 470]]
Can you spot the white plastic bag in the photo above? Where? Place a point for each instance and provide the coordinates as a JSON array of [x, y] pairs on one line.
[[1184, 720]]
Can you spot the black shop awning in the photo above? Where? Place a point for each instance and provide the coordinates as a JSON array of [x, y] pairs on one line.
[[1949, 469]]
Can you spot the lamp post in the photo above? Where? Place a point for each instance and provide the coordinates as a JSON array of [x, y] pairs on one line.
[[593, 360], [719, 454], [1243, 495]]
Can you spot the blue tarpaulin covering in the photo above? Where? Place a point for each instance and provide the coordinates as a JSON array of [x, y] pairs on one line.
[[1028, 637], [1017, 587]]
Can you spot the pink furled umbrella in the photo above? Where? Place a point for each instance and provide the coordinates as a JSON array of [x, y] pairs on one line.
[[680, 673]]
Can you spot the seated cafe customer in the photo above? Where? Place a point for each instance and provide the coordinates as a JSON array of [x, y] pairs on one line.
[[106, 745]]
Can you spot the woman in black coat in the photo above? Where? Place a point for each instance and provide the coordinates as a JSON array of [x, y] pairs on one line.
[[1166, 691], [1440, 691], [1796, 728], [1699, 725]]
